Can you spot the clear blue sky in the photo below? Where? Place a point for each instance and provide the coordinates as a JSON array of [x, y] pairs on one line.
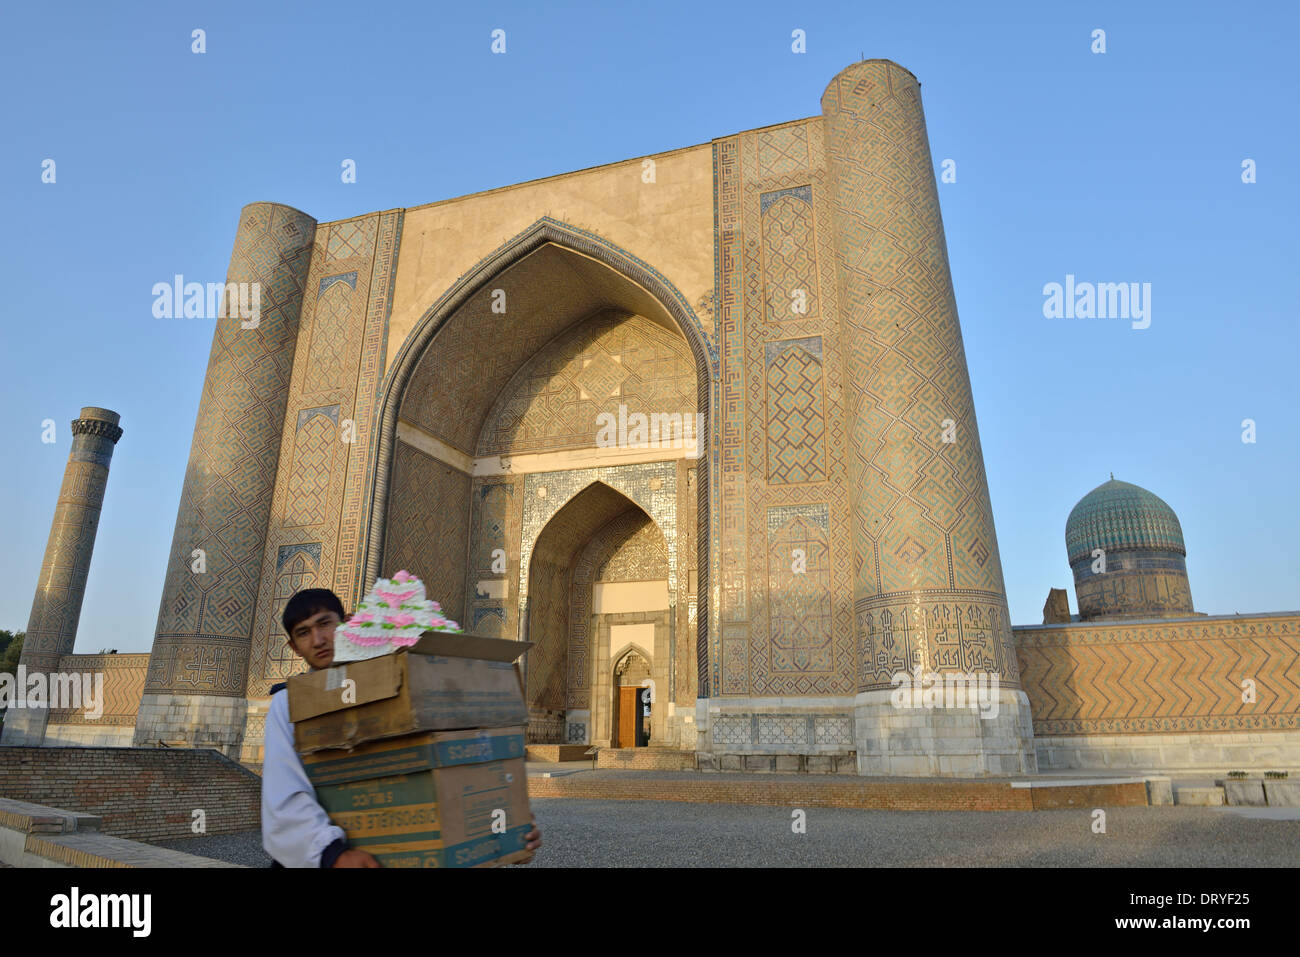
[[1117, 167]]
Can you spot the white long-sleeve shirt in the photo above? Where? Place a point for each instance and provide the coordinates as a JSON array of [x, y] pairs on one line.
[[295, 828]]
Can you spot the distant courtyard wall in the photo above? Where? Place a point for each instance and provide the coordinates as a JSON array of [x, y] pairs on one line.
[[1218, 692], [123, 684]]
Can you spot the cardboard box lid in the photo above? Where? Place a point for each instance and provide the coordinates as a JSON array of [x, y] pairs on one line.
[[375, 679], [455, 645]]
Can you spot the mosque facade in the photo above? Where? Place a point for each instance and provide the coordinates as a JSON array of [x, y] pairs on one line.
[[699, 426]]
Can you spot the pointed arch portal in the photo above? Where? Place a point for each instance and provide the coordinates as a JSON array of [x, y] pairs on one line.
[[477, 527]]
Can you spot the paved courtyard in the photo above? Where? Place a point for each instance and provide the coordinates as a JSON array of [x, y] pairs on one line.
[[580, 833]]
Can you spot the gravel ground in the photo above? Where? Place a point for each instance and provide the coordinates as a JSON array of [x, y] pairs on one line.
[[242, 847], [579, 833]]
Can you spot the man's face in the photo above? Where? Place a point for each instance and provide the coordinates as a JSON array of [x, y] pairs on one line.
[[313, 638]]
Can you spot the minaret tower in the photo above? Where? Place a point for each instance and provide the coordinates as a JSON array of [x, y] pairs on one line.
[[56, 609], [928, 591], [194, 691]]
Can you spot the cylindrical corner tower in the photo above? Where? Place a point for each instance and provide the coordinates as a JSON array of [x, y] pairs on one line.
[[56, 609], [928, 591], [195, 688]]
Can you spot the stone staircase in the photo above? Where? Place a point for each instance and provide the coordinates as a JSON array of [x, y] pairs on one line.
[[33, 835]]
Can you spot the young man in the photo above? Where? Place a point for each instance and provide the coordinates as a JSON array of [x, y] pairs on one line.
[[296, 831]]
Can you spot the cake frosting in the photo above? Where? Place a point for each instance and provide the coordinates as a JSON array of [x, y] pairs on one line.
[[393, 614]]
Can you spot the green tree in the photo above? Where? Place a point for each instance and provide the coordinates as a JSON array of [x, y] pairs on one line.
[[13, 649], [12, 652]]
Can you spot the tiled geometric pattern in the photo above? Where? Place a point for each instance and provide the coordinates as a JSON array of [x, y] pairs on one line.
[[208, 665], [123, 677], [1139, 582], [298, 567], [490, 538], [582, 657], [555, 400], [628, 553], [788, 729], [429, 541], [799, 588], [735, 658], [349, 278], [731, 480], [1177, 676], [353, 239], [923, 526], [733, 730], [348, 571], [629, 548], [783, 150], [796, 417], [205, 621], [833, 729], [553, 558], [633, 481], [807, 463], [315, 447], [792, 732], [331, 392], [789, 257], [329, 338], [458, 330], [1121, 516]]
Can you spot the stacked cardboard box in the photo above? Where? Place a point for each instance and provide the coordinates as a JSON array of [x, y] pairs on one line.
[[419, 755]]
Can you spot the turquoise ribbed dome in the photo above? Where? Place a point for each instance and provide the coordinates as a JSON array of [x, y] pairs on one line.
[[1117, 516]]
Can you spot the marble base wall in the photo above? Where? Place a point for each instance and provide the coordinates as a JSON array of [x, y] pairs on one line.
[[88, 736], [943, 741], [1219, 752], [24, 727], [772, 726], [199, 721]]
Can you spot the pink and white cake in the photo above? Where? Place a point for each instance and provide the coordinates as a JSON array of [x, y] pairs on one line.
[[394, 614]]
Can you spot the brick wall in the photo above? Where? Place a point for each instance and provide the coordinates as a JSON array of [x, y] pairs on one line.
[[1166, 677], [123, 684], [147, 793], [891, 795]]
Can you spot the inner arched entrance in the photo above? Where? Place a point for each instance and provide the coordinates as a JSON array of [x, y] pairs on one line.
[[598, 587], [509, 456]]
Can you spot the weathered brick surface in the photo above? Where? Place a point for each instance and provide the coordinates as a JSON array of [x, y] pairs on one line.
[[1129, 794], [137, 792], [645, 759], [898, 794]]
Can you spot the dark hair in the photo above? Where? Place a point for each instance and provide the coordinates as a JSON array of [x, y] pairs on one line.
[[309, 602]]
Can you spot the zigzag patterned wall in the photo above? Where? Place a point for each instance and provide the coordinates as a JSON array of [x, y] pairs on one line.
[[1163, 677], [123, 685]]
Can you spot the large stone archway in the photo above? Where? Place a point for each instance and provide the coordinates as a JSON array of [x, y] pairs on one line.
[[489, 423]]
